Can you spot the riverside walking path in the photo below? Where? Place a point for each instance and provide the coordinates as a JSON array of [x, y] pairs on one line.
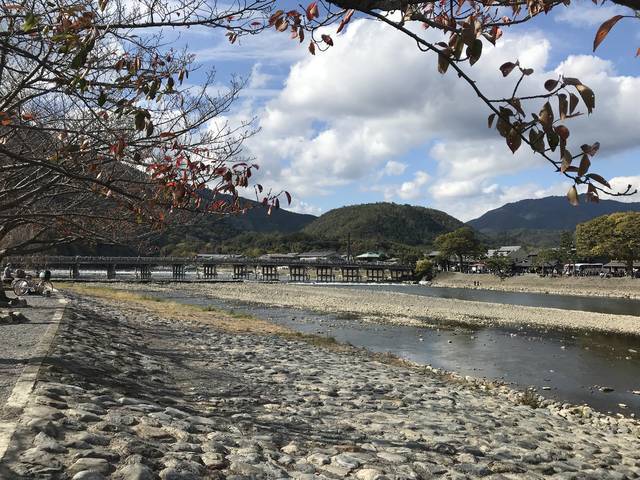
[[137, 389], [24, 344]]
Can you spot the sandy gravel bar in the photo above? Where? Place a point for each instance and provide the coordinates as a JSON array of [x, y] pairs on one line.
[[581, 286], [131, 393], [406, 309]]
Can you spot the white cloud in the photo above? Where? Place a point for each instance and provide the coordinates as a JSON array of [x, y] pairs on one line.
[[300, 206], [270, 46], [585, 14], [394, 168], [619, 184], [258, 78], [342, 119], [412, 190], [467, 200]]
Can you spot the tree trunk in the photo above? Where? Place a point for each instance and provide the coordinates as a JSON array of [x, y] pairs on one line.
[[630, 267], [461, 263]]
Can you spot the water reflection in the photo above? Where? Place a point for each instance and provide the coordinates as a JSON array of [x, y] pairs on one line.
[[567, 367]]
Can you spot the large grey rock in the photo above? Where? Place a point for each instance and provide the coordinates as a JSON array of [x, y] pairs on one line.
[[99, 465], [135, 471], [48, 444], [88, 475]]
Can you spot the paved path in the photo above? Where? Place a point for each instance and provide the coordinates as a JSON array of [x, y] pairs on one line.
[[25, 346], [19, 342], [129, 395]]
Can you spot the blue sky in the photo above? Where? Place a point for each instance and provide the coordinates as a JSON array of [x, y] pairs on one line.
[[372, 120]]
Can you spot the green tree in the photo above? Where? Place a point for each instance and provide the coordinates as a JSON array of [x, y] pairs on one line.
[[500, 266], [615, 236], [424, 269], [458, 243], [549, 256]]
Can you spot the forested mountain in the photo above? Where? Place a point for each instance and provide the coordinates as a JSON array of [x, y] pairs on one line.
[[407, 224], [403, 231], [539, 222], [549, 213]]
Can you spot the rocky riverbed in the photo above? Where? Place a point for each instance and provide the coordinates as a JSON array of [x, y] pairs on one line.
[[134, 391], [592, 286], [402, 309]]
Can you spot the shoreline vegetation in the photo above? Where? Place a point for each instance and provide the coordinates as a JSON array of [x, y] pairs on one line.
[[595, 286], [403, 309]]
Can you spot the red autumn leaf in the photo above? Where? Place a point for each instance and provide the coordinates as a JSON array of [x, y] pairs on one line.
[[312, 11], [327, 39], [507, 67], [275, 17], [345, 20], [312, 48], [604, 30]]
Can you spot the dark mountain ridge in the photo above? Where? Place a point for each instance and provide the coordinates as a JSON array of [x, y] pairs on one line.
[[549, 213]]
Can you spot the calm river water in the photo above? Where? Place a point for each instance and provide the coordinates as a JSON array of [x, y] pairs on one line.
[[567, 367]]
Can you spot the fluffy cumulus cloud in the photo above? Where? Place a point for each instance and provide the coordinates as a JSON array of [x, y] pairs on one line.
[[394, 168], [410, 190], [584, 13], [357, 113], [620, 184]]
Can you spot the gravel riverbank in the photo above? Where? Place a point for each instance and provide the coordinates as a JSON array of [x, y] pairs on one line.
[[405, 309], [133, 393], [533, 283]]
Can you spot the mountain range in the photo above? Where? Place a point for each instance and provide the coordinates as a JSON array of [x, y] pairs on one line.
[[540, 221], [549, 213], [400, 230]]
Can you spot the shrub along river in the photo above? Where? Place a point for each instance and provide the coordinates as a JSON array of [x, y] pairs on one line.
[[601, 370]]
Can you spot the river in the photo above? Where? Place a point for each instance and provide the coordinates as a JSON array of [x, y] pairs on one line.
[[567, 367]]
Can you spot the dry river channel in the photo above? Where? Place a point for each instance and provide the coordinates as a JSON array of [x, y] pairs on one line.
[[599, 369]]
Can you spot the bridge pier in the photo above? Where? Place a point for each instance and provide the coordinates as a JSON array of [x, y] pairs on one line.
[[179, 271], [111, 272], [298, 273], [209, 272], [240, 272], [324, 274], [350, 274], [375, 274], [74, 271], [145, 272], [400, 275], [269, 273]]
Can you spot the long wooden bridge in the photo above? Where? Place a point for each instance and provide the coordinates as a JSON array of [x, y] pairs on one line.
[[209, 267]]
